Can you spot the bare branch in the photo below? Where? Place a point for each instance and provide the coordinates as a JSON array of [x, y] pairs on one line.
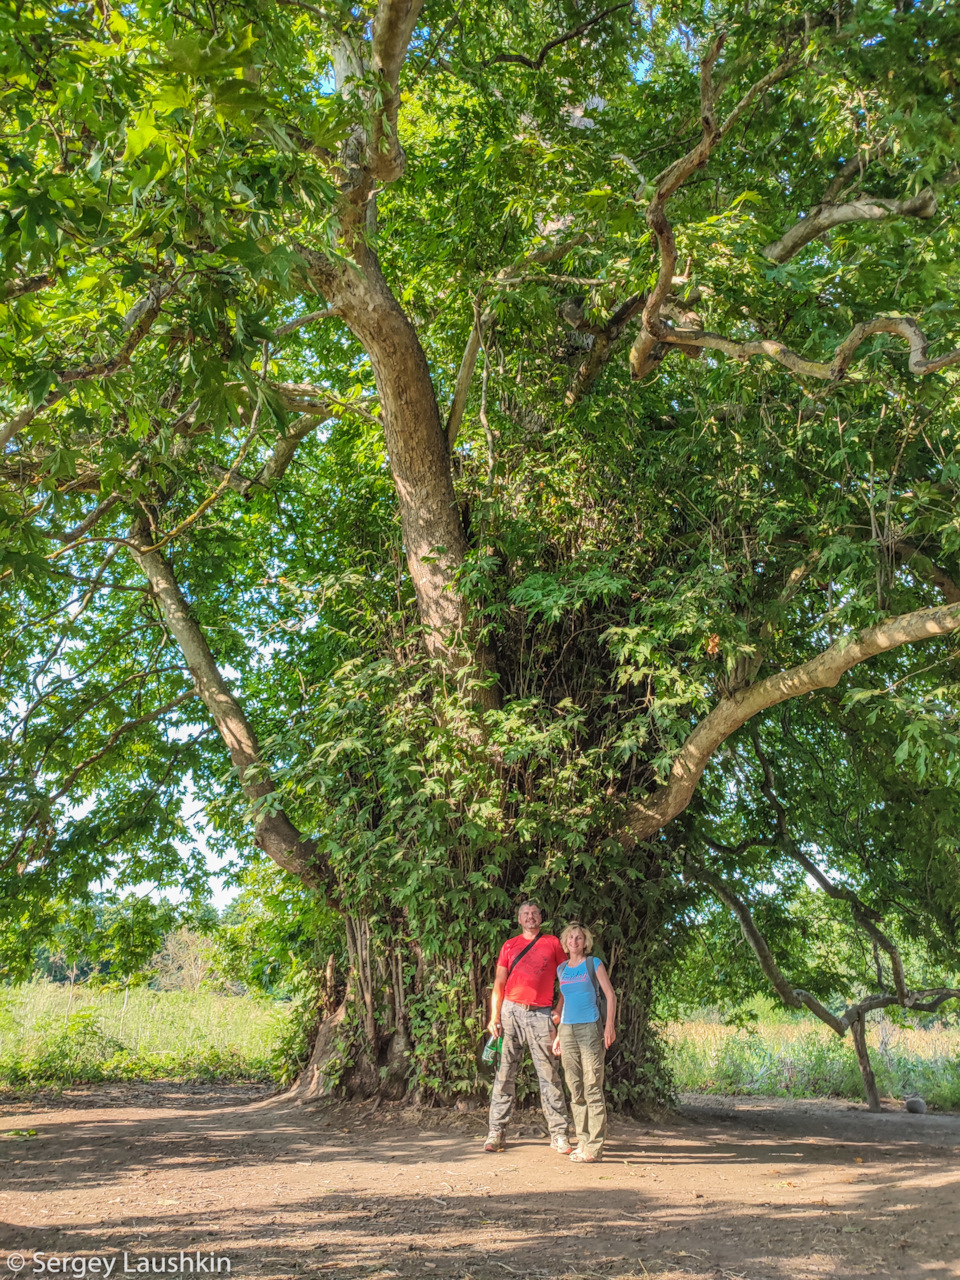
[[645, 818], [824, 217], [927, 1001], [656, 337], [301, 397], [10, 290], [313, 318], [535, 64], [904, 327], [211, 499]]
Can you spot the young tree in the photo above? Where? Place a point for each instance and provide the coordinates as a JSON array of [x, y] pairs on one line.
[[476, 416]]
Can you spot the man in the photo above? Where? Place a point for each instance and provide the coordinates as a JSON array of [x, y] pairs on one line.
[[521, 1010]]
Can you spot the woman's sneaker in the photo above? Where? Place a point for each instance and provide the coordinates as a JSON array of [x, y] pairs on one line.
[[561, 1145], [494, 1141]]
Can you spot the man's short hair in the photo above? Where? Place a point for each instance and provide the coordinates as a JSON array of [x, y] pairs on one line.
[[530, 904]]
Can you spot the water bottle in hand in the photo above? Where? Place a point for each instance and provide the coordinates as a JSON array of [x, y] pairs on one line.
[[492, 1048]]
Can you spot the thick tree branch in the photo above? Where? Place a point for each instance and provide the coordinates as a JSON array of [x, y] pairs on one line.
[[646, 352], [433, 535], [536, 63], [276, 835], [645, 818], [822, 218], [19, 286], [602, 349], [656, 337], [276, 464], [392, 28]]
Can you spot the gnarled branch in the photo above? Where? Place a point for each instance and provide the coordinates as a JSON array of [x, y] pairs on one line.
[[904, 327], [645, 818], [645, 354], [824, 217]]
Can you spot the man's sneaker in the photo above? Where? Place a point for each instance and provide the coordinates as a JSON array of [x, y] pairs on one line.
[[494, 1141], [561, 1145]]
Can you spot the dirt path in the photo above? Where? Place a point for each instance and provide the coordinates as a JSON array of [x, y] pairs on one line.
[[726, 1188]]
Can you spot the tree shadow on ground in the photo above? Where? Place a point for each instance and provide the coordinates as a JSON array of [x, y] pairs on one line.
[[329, 1192]]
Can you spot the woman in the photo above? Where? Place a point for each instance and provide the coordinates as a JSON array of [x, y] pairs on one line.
[[581, 1040]]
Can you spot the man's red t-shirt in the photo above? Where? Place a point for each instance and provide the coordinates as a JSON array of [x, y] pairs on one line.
[[532, 980]]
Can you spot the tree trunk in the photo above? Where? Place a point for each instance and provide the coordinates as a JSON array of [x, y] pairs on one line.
[[362, 1048], [858, 1030], [417, 1001], [433, 535]]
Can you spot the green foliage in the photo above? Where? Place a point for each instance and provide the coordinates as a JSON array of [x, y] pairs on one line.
[[635, 554], [276, 935], [49, 1036]]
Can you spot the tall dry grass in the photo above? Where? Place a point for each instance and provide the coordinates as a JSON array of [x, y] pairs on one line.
[[803, 1058], [51, 1033]]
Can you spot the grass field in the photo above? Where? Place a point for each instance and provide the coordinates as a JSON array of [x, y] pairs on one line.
[[803, 1058], [50, 1036]]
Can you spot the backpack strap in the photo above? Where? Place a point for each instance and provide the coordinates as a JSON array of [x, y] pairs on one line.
[[592, 970]]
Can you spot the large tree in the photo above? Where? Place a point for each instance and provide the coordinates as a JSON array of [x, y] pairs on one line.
[[459, 423]]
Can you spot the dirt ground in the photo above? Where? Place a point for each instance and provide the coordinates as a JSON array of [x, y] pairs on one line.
[[745, 1189]]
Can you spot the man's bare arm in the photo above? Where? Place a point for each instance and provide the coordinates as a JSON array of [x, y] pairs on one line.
[[496, 999]]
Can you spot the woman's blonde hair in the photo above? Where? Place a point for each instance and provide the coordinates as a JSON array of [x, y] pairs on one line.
[[587, 936]]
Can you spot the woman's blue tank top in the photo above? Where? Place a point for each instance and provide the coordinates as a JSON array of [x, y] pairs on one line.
[[579, 997]]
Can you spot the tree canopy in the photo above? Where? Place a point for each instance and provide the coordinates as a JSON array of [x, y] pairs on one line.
[[452, 445]]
